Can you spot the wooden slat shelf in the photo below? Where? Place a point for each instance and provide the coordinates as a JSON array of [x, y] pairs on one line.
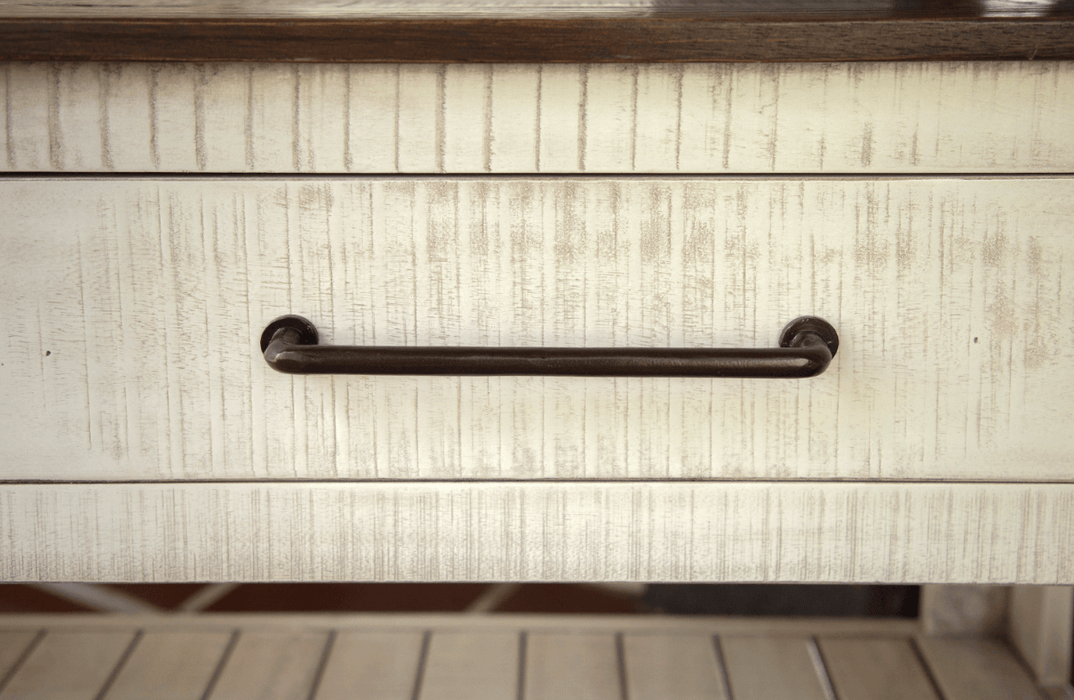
[[536, 658]]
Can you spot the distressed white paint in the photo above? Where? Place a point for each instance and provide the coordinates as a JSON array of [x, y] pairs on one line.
[[133, 311], [499, 531], [688, 118]]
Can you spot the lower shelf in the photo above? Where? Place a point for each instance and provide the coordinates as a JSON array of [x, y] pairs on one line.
[[430, 657]]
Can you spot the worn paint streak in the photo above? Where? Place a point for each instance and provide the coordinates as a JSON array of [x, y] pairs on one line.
[[583, 124], [55, 134], [201, 81]]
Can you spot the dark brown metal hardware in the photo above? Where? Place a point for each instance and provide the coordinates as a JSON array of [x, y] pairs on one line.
[[806, 346]]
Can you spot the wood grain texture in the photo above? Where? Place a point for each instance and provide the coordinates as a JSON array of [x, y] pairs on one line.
[[561, 39], [875, 669], [633, 531], [977, 669], [269, 663], [309, 118], [69, 666], [133, 311], [1040, 620]]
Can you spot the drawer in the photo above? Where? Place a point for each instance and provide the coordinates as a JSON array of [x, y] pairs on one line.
[[134, 308], [157, 216]]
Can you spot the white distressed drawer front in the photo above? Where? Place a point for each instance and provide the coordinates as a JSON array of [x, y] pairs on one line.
[[133, 309]]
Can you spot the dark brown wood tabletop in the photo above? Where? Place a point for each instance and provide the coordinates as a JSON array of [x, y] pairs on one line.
[[902, 30]]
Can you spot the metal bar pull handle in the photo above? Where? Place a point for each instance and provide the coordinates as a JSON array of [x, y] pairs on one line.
[[806, 346]]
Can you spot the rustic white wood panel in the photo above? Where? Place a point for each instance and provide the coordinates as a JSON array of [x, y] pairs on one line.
[[631, 531], [133, 311], [688, 118], [170, 666], [269, 664]]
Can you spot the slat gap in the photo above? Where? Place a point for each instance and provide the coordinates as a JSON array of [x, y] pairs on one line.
[[620, 659], [119, 665], [33, 644], [923, 662], [817, 656], [322, 664], [721, 665], [423, 657], [522, 640], [219, 670]]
